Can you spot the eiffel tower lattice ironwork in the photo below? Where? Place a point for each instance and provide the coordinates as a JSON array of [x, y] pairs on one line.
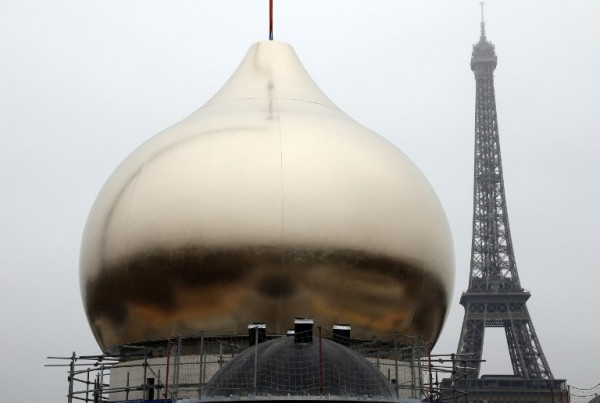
[[495, 297]]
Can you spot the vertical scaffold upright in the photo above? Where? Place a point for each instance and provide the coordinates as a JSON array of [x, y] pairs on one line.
[[495, 297]]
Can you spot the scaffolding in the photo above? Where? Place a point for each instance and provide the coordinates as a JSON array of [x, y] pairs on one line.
[[180, 369], [177, 369]]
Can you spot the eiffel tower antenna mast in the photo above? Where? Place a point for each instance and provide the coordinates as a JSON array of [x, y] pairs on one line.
[[482, 4]]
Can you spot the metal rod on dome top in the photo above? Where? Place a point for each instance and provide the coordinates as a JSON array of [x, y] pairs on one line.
[[270, 20]]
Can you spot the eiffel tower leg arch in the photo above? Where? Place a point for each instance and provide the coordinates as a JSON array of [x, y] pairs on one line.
[[525, 350], [507, 310], [470, 348]]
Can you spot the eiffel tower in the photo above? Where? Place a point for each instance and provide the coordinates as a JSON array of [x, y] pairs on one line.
[[495, 297]]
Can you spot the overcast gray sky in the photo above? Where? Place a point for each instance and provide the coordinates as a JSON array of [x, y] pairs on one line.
[[82, 83]]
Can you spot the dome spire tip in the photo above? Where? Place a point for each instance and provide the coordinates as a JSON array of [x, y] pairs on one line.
[[270, 20]]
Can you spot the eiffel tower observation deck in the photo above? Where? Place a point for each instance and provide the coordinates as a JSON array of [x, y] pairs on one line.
[[495, 297]]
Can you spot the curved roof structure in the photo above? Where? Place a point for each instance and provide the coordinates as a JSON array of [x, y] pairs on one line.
[[282, 367]]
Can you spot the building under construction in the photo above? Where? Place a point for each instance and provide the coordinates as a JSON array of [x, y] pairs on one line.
[[269, 247]]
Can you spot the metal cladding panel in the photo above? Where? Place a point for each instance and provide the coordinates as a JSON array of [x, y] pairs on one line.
[[303, 330], [257, 333], [341, 334]]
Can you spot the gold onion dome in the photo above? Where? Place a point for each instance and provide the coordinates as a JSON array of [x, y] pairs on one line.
[[266, 204]]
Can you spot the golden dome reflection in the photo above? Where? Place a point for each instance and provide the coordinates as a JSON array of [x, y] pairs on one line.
[[266, 204]]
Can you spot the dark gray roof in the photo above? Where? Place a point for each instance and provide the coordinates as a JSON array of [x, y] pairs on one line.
[[285, 368]]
